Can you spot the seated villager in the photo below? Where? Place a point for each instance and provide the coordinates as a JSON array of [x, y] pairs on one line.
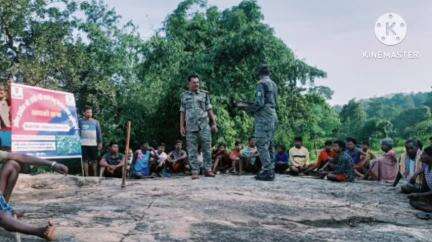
[[366, 156], [352, 150], [221, 159], [12, 164], [157, 162], [410, 164], [384, 168], [111, 164], [298, 157], [281, 160], [326, 155], [250, 158], [141, 162], [421, 199], [177, 159], [344, 170], [235, 157]]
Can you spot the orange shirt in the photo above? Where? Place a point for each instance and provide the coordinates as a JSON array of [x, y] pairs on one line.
[[235, 154], [325, 155]]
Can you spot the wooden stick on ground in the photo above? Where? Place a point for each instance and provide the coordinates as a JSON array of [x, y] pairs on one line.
[[124, 171]]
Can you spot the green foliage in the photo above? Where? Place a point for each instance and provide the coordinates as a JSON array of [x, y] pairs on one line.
[[399, 116], [407, 120], [80, 47], [352, 117]]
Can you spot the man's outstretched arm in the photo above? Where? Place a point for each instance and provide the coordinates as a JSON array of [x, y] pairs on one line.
[[255, 106], [31, 160]]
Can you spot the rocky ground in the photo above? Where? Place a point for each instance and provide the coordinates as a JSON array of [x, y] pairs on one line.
[[225, 208]]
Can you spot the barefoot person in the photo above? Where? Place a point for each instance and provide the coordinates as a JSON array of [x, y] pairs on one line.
[[221, 159], [178, 159], [409, 165], [91, 140], [281, 160], [298, 157], [12, 164], [421, 199], [344, 170], [324, 157], [112, 162], [385, 168]]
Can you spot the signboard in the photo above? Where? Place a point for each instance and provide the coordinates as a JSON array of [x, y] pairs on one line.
[[5, 134], [44, 122]]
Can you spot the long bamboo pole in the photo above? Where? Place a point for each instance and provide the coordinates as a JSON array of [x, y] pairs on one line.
[[128, 133]]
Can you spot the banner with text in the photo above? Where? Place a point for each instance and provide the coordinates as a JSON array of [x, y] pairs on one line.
[[44, 122]]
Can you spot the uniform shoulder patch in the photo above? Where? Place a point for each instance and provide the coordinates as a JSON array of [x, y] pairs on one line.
[[184, 93]]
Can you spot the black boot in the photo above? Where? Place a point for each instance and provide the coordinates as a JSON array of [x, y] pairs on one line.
[[265, 176]]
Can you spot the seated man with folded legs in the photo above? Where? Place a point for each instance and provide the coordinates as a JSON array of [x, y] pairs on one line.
[[112, 162], [235, 157], [410, 164], [298, 157], [344, 170], [13, 163], [141, 162], [250, 158], [221, 159], [326, 155], [281, 160], [384, 168], [177, 159], [422, 198], [159, 159], [366, 156]]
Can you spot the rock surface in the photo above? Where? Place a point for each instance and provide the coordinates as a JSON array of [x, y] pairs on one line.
[[225, 208]]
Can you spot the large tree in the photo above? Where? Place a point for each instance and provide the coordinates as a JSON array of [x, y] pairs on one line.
[[225, 48], [79, 46], [352, 117]]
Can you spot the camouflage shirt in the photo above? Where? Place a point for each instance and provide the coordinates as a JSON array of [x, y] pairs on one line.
[[195, 105], [264, 108]]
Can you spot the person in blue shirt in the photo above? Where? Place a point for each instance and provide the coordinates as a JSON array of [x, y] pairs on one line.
[[281, 159], [141, 162], [352, 150], [91, 140]]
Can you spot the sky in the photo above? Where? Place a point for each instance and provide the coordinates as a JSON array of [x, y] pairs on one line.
[[336, 36]]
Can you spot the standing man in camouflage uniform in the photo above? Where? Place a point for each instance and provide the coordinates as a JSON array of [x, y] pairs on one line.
[[264, 111], [195, 112]]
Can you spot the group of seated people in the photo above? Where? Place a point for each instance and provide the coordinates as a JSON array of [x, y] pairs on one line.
[[144, 162], [340, 161]]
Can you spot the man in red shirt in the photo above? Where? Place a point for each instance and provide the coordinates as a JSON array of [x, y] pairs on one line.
[[324, 157]]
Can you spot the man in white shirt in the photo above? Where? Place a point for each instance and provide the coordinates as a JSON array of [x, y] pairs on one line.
[[158, 162]]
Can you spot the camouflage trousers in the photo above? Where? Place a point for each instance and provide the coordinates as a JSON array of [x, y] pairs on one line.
[[201, 138], [264, 135]]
